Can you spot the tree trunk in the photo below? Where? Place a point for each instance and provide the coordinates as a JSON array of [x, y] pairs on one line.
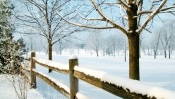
[[50, 52], [165, 53], [148, 52], [133, 39], [155, 53], [134, 56], [139, 48], [114, 51], [169, 54], [97, 53]]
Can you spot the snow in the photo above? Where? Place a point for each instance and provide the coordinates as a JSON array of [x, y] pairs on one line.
[[66, 88], [73, 57], [53, 64], [81, 96], [7, 91], [56, 81], [132, 85]]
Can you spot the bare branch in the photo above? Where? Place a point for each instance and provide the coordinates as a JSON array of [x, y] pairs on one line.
[[86, 26], [164, 10], [151, 16], [124, 4], [93, 27], [107, 19], [90, 19], [167, 8]]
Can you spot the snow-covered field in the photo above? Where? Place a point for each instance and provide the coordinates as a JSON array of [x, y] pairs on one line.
[[158, 72]]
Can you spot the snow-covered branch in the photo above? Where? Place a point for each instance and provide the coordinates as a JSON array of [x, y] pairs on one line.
[[124, 16]]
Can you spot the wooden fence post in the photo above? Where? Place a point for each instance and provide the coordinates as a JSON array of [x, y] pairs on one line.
[[32, 75], [73, 80]]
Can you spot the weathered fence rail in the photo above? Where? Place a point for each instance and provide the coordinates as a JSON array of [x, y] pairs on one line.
[[125, 88]]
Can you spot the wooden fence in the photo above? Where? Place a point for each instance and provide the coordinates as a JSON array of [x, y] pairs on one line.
[[75, 74]]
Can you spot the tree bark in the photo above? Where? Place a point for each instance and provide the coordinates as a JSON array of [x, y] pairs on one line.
[[133, 40], [134, 56], [50, 52]]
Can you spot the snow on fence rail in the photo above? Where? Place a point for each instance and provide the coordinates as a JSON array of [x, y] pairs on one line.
[[124, 88]]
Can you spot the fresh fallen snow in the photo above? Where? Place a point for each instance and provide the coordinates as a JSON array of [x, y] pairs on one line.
[[56, 81], [61, 85], [53, 64], [132, 85], [73, 57], [81, 96], [7, 90]]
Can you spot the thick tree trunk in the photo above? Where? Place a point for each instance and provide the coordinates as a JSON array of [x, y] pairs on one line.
[[139, 48], [134, 56], [50, 52], [133, 39]]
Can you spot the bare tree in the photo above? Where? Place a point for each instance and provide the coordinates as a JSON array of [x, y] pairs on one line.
[[167, 36], [131, 12], [112, 42], [61, 45], [94, 42], [41, 16], [155, 42], [116, 43]]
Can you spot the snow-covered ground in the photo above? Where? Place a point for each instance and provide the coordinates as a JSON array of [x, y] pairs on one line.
[[156, 72], [9, 90]]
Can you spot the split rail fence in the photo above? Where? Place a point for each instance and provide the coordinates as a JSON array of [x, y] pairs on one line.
[[74, 75]]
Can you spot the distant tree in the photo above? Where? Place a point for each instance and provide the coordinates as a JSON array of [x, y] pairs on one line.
[[115, 42], [105, 47], [155, 42], [94, 42], [167, 36], [61, 45]]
